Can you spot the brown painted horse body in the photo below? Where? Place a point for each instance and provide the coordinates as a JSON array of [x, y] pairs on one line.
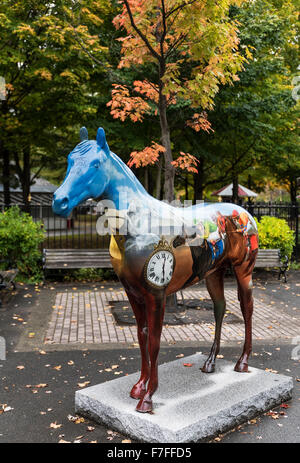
[[149, 304]]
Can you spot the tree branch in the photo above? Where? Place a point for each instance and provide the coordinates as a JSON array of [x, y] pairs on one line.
[[179, 7], [139, 32], [164, 23], [37, 173], [176, 43]]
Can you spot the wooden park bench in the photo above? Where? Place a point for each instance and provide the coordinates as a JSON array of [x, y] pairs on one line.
[[100, 258], [75, 258], [7, 278], [271, 258]]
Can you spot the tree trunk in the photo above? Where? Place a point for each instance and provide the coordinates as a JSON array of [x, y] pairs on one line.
[[6, 175], [25, 178], [165, 139], [158, 179], [235, 188], [293, 190], [198, 182], [186, 187], [146, 179], [5, 163], [169, 168]]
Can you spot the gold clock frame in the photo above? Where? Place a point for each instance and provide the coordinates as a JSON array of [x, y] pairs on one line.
[[162, 245]]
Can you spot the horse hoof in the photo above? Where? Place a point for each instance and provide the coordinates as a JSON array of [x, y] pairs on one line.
[[137, 392], [144, 406], [208, 368], [241, 367]]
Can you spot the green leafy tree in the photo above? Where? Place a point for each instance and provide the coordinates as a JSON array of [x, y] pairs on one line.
[[251, 116], [46, 51]]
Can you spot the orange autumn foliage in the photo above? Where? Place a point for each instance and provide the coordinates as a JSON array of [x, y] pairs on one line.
[[146, 88], [123, 105], [148, 155], [187, 162], [200, 122]]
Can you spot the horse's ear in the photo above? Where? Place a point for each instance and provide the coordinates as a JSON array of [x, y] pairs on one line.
[[83, 134], [101, 140]]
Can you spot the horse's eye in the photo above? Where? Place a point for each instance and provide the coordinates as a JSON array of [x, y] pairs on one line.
[[96, 164]]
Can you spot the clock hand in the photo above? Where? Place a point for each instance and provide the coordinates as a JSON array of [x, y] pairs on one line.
[[163, 270]]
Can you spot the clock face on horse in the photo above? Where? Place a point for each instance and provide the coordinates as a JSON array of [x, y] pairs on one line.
[[159, 267], [153, 263]]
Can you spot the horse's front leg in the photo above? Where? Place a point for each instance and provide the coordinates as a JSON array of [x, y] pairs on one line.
[[155, 308], [139, 389]]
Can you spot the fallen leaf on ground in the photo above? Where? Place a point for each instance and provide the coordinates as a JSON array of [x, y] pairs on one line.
[[284, 406], [188, 364], [79, 420], [83, 384], [55, 425], [6, 408]]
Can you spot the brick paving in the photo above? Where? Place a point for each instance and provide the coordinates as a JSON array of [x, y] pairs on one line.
[[86, 317]]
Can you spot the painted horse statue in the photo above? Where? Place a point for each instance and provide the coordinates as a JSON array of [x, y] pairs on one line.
[[161, 250]]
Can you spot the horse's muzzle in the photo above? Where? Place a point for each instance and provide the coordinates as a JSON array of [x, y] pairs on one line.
[[60, 205]]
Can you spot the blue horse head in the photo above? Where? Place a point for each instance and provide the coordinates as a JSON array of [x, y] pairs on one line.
[[85, 178]]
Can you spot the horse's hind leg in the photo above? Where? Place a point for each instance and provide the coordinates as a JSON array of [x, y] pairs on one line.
[[139, 389], [215, 287], [243, 275]]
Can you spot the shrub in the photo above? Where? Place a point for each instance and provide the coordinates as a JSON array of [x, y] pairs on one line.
[[275, 233], [20, 239]]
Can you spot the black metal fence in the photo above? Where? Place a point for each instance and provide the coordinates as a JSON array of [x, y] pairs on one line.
[[76, 232], [79, 231]]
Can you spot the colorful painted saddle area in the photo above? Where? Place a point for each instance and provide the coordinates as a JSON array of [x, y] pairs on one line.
[[217, 248]]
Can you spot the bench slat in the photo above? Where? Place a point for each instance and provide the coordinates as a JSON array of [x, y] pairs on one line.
[[79, 265], [76, 258]]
